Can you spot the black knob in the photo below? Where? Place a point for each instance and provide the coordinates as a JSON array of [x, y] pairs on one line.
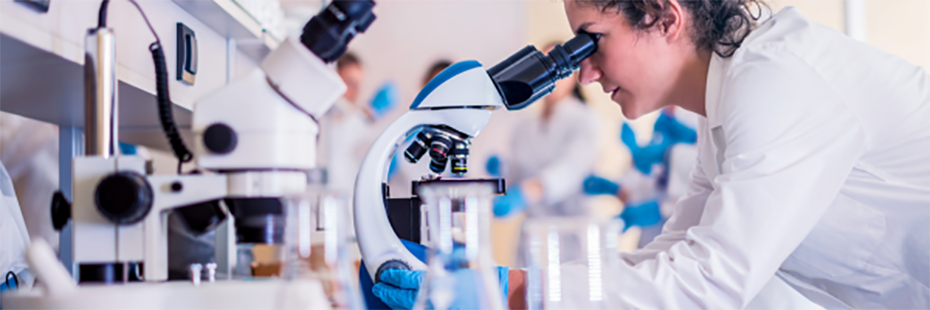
[[61, 211], [219, 138], [124, 197]]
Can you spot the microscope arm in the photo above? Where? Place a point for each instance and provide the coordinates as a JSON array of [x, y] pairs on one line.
[[380, 247]]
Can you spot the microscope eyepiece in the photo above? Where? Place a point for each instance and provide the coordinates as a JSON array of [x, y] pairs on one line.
[[328, 33], [529, 75]]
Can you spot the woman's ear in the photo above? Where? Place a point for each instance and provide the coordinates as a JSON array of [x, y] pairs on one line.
[[672, 22]]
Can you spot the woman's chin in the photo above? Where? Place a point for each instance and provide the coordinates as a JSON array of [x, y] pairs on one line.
[[630, 112]]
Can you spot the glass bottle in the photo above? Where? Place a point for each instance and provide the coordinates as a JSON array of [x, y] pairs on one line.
[[570, 262], [461, 272]]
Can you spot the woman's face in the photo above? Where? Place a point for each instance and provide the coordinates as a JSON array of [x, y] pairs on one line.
[[638, 68]]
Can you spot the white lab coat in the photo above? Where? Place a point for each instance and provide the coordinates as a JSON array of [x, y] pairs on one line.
[[13, 236], [345, 138], [813, 165], [559, 153], [29, 148]]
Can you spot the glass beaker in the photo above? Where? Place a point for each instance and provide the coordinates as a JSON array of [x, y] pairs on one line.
[[317, 241], [571, 262], [460, 270]]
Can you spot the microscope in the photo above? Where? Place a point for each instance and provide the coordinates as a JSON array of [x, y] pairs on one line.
[[448, 112], [255, 140]]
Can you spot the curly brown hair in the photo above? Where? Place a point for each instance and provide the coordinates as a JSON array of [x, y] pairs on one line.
[[718, 25]]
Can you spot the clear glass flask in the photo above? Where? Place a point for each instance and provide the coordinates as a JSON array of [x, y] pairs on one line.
[[461, 271], [570, 262], [317, 246]]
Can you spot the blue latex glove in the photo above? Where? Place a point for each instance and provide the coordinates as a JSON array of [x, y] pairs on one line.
[[642, 215], [673, 131], [385, 99], [595, 185], [628, 137], [398, 288], [644, 156], [512, 202], [127, 149], [493, 166]]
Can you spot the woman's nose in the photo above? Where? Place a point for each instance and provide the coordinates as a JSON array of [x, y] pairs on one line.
[[588, 73]]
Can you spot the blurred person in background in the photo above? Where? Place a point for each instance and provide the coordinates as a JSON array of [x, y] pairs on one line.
[[659, 175], [29, 148], [345, 130], [552, 152]]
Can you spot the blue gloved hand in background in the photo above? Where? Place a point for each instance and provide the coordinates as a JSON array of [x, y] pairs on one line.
[[644, 156], [493, 166], [385, 99], [512, 202], [398, 288], [672, 131], [642, 215], [595, 185]]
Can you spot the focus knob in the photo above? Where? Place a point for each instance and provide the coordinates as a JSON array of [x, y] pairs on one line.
[[61, 211], [220, 138], [124, 197]]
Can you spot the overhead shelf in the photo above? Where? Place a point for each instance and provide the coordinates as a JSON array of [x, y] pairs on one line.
[[229, 19]]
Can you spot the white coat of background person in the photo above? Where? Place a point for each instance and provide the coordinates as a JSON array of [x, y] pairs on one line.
[[345, 134], [814, 157], [29, 148], [551, 154], [14, 239]]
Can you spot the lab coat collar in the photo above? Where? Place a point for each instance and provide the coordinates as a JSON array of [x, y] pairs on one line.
[[715, 75]]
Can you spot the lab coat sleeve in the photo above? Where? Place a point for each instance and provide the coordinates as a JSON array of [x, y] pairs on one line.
[[785, 144], [565, 176], [687, 213]]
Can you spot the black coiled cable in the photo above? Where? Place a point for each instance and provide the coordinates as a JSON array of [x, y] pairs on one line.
[[164, 106], [161, 85]]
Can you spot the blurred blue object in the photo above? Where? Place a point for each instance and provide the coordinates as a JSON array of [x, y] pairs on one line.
[[385, 99], [595, 185], [11, 283], [395, 164], [493, 166], [672, 131], [398, 288], [642, 215], [127, 149], [372, 301], [512, 202]]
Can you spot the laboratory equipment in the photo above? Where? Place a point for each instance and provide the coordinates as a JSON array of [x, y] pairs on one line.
[[571, 262], [317, 241], [255, 139], [460, 270], [450, 110]]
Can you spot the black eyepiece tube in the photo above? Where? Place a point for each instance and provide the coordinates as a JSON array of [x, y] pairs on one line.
[[329, 32], [528, 75]]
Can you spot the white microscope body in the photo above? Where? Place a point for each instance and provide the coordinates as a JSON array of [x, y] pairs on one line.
[[457, 103], [269, 144], [461, 98]]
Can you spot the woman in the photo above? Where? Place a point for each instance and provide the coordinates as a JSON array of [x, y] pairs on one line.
[[813, 161], [813, 156]]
